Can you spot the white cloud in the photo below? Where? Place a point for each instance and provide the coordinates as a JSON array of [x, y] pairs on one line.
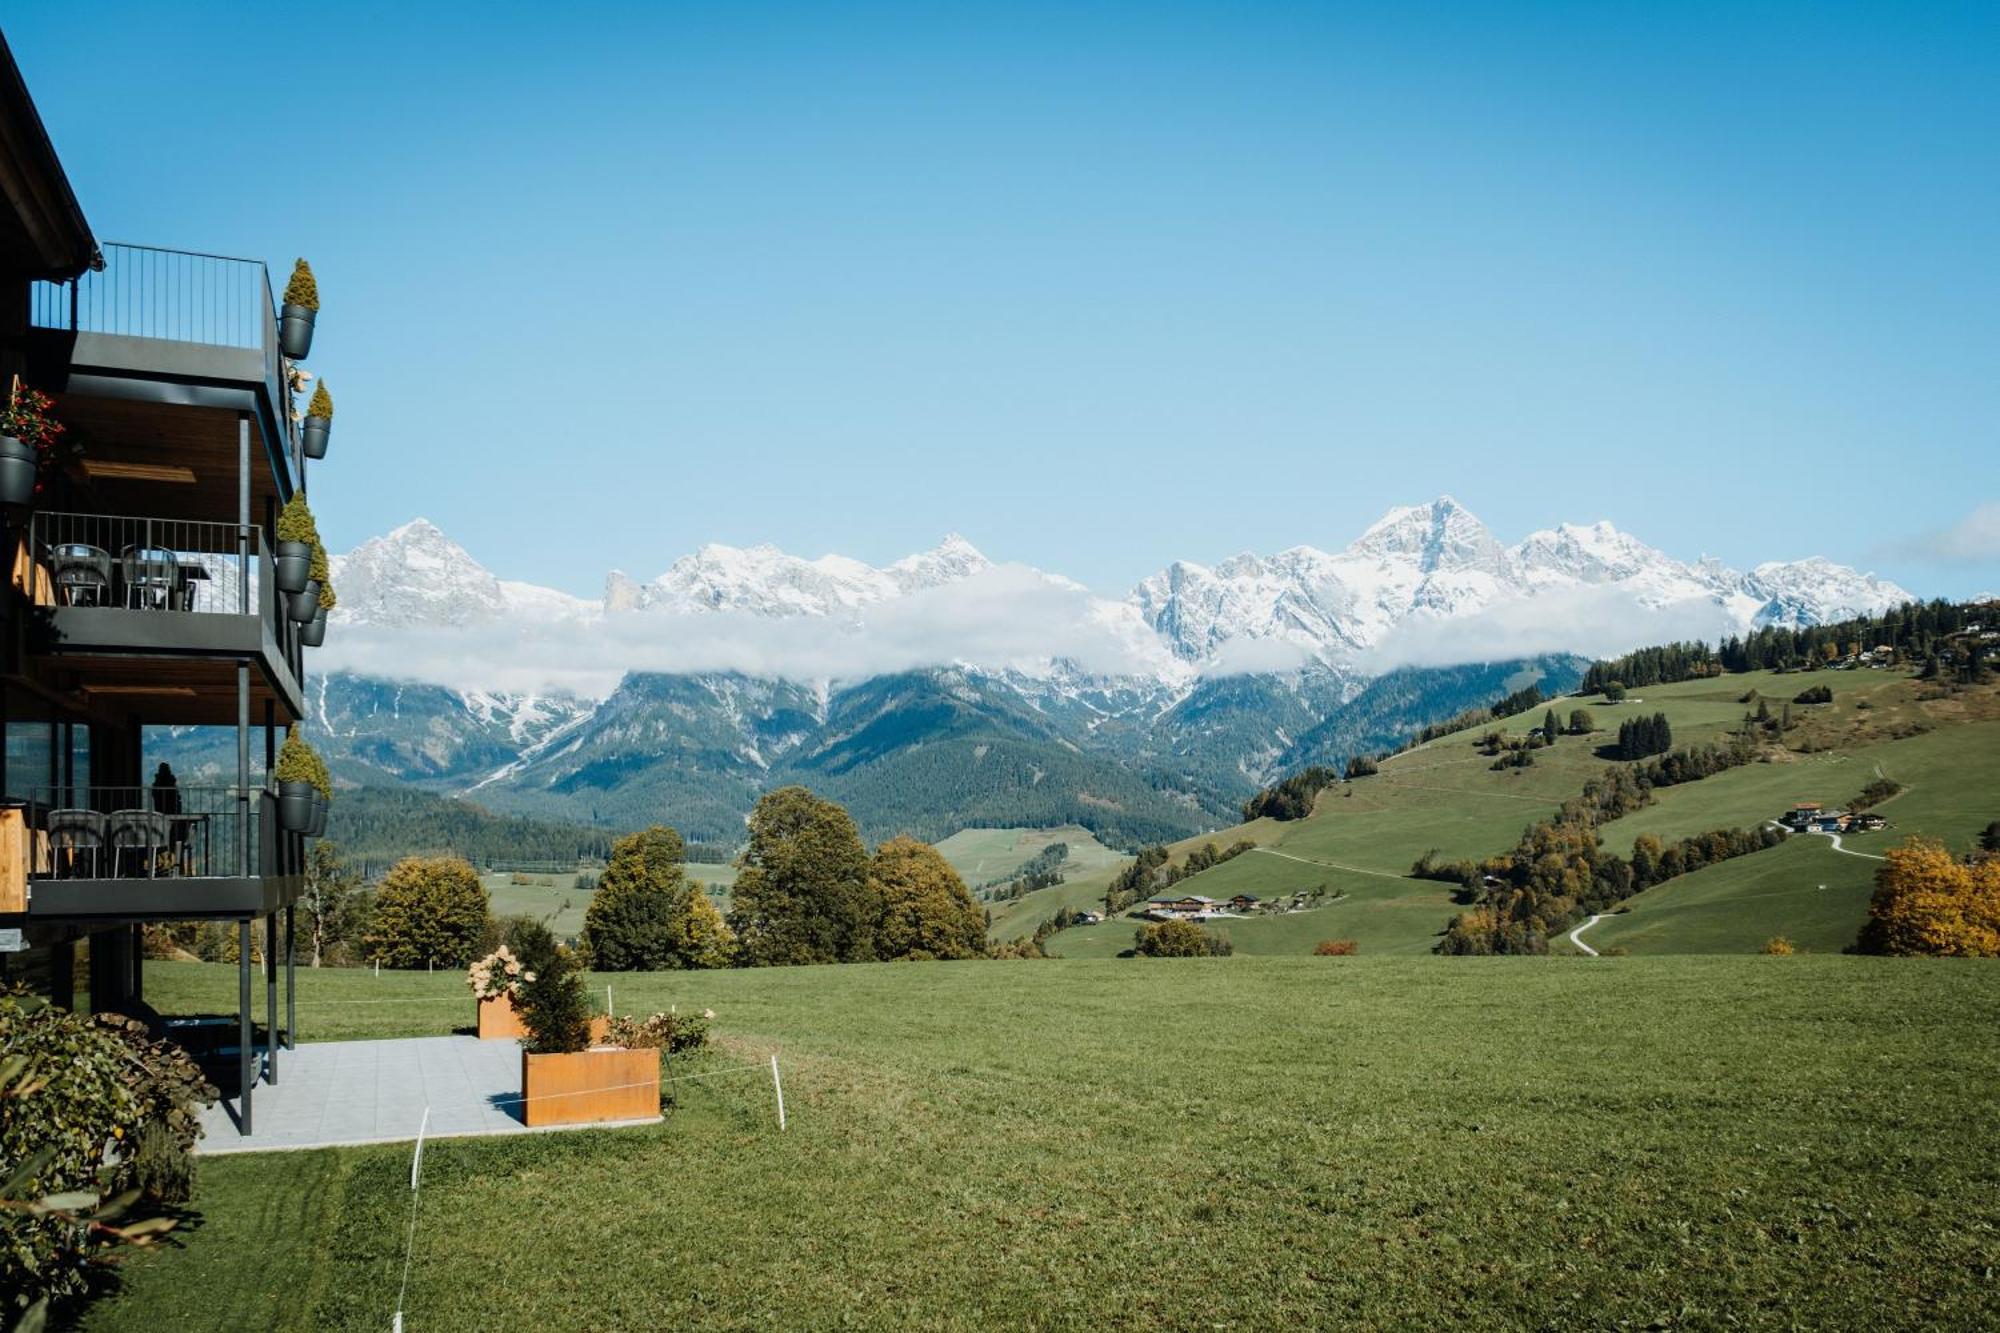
[[1007, 616], [1599, 621], [1973, 540]]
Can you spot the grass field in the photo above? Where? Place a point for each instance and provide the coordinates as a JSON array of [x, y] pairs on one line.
[[983, 855], [1364, 835], [1243, 1143]]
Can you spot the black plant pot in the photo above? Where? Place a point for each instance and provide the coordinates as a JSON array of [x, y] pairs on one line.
[[303, 605], [294, 566], [314, 632], [295, 330], [316, 432], [18, 465], [321, 807], [296, 802]]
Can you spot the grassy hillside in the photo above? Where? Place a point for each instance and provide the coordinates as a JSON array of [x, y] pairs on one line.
[[1363, 836], [985, 855], [1247, 1143]]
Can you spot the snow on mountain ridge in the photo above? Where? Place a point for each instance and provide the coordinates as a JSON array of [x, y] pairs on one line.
[[1418, 565]]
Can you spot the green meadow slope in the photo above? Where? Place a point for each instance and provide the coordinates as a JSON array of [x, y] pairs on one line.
[[1237, 1142], [1363, 836]]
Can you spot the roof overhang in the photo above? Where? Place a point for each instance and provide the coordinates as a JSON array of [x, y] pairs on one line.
[[43, 233]]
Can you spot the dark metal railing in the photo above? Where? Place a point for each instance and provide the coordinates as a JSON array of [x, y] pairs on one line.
[[149, 564], [178, 295], [155, 832]]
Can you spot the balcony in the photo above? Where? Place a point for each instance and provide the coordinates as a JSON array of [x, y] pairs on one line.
[[114, 594], [167, 853], [174, 328]]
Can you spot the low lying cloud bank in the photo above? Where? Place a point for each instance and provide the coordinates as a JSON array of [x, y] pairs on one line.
[[1973, 540], [1593, 621], [1006, 617]]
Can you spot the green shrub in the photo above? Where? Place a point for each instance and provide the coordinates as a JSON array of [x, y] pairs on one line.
[[672, 1033], [322, 573], [74, 1102], [554, 1008], [295, 521], [1180, 939], [321, 404], [163, 1170], [299, 762], [303, 289]]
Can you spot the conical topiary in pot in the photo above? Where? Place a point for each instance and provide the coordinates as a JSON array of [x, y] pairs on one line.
[[319, 422], [314, 634], [322, 796], [27, 436], [304, 604], [298, 775], [301, 308], [297, 535]]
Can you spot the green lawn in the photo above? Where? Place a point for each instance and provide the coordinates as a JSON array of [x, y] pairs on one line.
[[1243, 1143]]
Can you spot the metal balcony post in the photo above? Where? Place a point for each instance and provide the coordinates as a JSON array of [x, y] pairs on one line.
[[274, 1039], [245, 1038]]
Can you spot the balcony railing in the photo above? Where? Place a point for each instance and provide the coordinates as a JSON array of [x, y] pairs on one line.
[[158, 832], [176, 295], [147, 564]]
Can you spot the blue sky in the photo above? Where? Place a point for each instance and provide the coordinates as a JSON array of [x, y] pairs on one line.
[[1098, 286]]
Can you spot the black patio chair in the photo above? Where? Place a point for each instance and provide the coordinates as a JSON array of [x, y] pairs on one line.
[[151, 578], [140, 835], [76, 843], [82, 574]]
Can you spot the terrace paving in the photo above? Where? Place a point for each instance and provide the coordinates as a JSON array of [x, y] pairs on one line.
[[348, 1092]]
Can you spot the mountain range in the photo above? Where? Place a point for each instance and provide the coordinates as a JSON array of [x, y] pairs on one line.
[[944, 691]]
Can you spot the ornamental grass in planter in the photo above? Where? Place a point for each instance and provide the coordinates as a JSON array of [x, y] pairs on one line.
[[319, 422], [564, 1079], [299, 312], [298, 534]]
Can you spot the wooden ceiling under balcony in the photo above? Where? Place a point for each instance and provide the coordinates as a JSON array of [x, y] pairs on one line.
[[160, 460], [184, 692]]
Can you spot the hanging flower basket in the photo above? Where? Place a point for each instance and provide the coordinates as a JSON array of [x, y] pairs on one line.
[[27, 437]]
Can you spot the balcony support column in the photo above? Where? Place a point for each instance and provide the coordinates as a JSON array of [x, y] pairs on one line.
[[291, 978], [275, 1039], [246, 1041]]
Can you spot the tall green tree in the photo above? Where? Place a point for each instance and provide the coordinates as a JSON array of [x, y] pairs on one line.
[[429, 911], [646, 915], [803, 894], [927, 912]]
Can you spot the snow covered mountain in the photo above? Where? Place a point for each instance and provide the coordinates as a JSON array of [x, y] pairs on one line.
[[983, 692]]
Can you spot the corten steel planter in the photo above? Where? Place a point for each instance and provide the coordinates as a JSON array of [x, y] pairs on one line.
[[19, 463], [293, 567], [303, 605], [587, 1087], [296, 801], [313, 633], [317, 429], [498, 1019], [295, 330]]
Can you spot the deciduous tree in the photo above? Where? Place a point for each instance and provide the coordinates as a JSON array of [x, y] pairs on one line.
[[927, 912], [803, 895], [429, 911]]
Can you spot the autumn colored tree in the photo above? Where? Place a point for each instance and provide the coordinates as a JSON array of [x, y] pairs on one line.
[[429, 911], [1929, 903], [804, 894], [927, 912], [1179, 939]]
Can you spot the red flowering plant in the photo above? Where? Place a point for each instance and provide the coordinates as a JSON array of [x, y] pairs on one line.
[[26, 418]]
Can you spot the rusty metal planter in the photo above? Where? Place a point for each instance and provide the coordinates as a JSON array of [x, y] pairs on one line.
[[498, 1019], [584, 1087]]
